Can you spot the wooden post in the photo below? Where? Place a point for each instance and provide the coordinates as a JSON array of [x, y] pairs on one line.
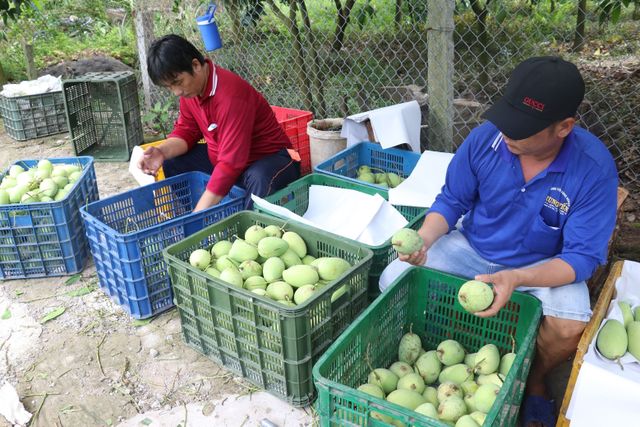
[[3, 76], [32, 73], [143, 21], [440, 74]]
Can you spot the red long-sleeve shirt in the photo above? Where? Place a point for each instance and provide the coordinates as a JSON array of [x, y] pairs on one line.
[[237, 123]]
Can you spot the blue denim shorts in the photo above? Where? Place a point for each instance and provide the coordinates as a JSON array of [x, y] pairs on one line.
[[452, 254]]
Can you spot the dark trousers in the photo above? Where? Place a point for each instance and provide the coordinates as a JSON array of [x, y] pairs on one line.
[[262, 177]]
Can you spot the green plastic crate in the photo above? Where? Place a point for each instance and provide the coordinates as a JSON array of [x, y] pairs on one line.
[[33, 116], [295, 197], [103, 114], [269, 344], [426, 299]]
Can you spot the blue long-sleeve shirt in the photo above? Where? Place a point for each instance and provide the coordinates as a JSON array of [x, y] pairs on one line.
[[567, 211]]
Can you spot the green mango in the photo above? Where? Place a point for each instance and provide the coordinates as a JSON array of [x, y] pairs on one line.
[[451, 352], [458, 374], [475, 296], [428, 366], [383, 378], [466, 421], [627, 314], [428, 409], [412, 382], [612, 340], [401, 369], [406, 398], [485, 396], [451, 409], [633, 335], [372, 389], [487, 359], [409, 348], [431, 395], [506, 362], [448, 389], [407, 241], [254, 234]]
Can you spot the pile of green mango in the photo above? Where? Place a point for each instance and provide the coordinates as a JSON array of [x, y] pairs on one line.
[[44, 182], [617, 338], [271, 262], [378, 176], [447, 383]]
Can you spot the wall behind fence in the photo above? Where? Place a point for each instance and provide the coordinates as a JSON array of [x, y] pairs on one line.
[[370, 53]]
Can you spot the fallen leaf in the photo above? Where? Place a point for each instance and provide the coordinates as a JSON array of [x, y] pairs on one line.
[[52, 314], [82, 291], [6, 315], [142, 322], [73, 279]]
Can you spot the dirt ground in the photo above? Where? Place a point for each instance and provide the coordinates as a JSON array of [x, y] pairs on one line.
[[93, 366]]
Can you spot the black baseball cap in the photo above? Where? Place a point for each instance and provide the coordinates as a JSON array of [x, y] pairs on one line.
[[541, 90]]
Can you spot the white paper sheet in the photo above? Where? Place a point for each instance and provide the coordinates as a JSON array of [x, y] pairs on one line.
[[340, 210], [604, 398], [392, 125], [358, 216], [425, 182], [141, 177], [386, 222], [11, 408], [279, 210], [604, 394]]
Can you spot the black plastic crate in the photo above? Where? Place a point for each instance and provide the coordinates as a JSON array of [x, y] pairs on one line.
[[33, 116], [103, 114]]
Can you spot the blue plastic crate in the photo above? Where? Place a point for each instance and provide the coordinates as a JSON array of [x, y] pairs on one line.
[[128, 232], [345, 163], [47, 238]]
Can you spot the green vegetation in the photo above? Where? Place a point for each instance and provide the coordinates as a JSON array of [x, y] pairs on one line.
[[62, 30], [314, 66]]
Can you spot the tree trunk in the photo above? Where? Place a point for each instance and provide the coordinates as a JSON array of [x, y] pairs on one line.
[[578, 39], [397, 17], [440, 56], [238, 39], [143, 25], [483, 38], [298, 52], [316, 68], [342, 21]]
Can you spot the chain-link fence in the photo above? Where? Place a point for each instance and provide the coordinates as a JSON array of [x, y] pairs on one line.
[[340, 57]]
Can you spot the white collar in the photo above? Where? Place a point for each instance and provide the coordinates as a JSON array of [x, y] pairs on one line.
[[214, 78]]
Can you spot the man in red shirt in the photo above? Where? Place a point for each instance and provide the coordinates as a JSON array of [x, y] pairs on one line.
[[245, 145]]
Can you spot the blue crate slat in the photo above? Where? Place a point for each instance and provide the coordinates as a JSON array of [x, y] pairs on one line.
[[128, 232], [47, 238], [345, 163]]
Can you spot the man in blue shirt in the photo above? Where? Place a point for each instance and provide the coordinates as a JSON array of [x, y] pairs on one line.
[[538, 199]]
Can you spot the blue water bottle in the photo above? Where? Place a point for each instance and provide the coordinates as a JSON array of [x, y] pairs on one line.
[[209, 29]]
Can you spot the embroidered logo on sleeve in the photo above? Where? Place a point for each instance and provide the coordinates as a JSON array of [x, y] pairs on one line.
[[557, 201]]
